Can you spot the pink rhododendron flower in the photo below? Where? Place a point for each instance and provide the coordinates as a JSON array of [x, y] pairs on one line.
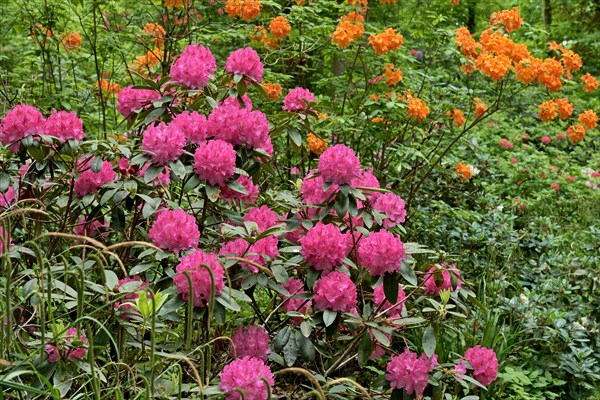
[[64, 126], [214, 161], [460, 368], [378, 350], [296, 100], [247, 374], [91, 228], [263, 216], [409, 372], [441, 279], [238, 248], [7, 198], [514, 160], [295, 287], [193, 125], [339, 164], [255, 253], [21, 121], [164, 178], [560, 137], [570, 178], [335, 291], [251, 342], [89, 181], [379, 299], [325, 246], [506, 144], [228, 194], [381, 252], [312, 191], [163, 143], [555, 186], [130, 100], [245, 62], [175, 230], [52, 352], [194, 67], [366, 179], [484, 363], [64, 349], [194, 265], [391, 205], [125, 168], [546, 139]]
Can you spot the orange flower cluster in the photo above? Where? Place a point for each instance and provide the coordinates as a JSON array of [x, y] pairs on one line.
[[144, 63], [392, 77], [156, 32], [315, 144], [390, 2], [359, 3], [273, 90], [458, 117], [588, 119], [107, 87], [260, 35], [466, 44], [565, 109], [280, 27], [590, 82], [176, 3], [417, 108], [71, 41], [464, 171], [510, 19], [575, 133], [480, 107], [349, 29], [386, 41], [548, 111], [495, 67], [454, 2], [245, 9]]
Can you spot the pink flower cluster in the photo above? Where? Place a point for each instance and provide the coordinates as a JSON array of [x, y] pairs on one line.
[[130, 100], [91, 228], [409, 372], [263, 216], [335, 291], [381, 252], [89, 181], [296, 100], [64, 349], [247, 374], [240, 125], [546, 139], [194, 67], [256, 253], [312, 191], [339, 164], [245, 62], [379, 299], [193, 125], [214, 161], [251, 342], [391, 205], [295, 287], [366, 179], [21, 121], [175, 230], [7, 198], [505, 143], [325, 246], [228, 194], [484, 363], [163, 142], [195, 266], [433, 283], [65, 126], [164, 178]]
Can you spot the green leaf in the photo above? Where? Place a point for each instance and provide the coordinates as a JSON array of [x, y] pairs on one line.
[[152, 173], [153, 115], [381, 338], [341, 204], [178, 168], [282, 338], [191, 184], [295, 136], [365, 348], [329, 317], [429, 341], [237, 187], [396, 394], [390, 287], [96, 164], [306, 347], [408, 274], [211, 102], [212, 192], [4, 181], [290, 352]]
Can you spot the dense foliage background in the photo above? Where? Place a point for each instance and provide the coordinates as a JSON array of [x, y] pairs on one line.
[[95, 303]]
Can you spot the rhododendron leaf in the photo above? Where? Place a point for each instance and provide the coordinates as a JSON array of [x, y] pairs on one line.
[[212, 192], [108, 195], [408, 274], [237, 187], [329, 317], [139, 159], [117, 221], [341, 204], [281, 275], [178, 168], [241, 87], [365, 348], [381, 337], [153, 172], [306, 328], [237, 78], [211, 102], [111, 279], [307, 349], [367, 219], [153, 115], [36, 154], [228, 302], [295, 136], [192, 183], [390, 287], [311, 277], [352, 206], [27, 141], [4, 182], [290, 352], [429, 341], [281, 338], [220, 313]]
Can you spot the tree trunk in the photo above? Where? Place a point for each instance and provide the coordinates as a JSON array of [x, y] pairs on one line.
[[547, 10]]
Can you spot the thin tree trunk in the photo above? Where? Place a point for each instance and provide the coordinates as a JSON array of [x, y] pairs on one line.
[[547, 10]]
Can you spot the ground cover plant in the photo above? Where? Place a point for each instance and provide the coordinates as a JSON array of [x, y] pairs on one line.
[[250, 199]]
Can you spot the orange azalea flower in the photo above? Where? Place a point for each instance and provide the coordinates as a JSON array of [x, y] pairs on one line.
[[549, 74], [511, 19], [377, 120], [527, 70], [565, 109], [144, 64], [390, 2], [349, 29], [454, 2], [464, 171], [321, 116], [71, 41], [273, 90], [591, 83], [548, 111], [176, 3], [495, 67], [259, 35], [107, 87], [466, 44], [480, 107], [556, 47], [360, 3], [519, 52], [374, 97], [315, 144], [392, 77], [495, 42], [588, 119], [572, 61], [272, 43], [386, 41], [575, 133], [417, 109], [458, 117], [157, 32], [280, 27], [245, 9]]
